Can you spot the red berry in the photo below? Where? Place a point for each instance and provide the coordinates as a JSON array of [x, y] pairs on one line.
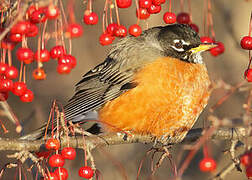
[[32, 30], [6, 85], [106, 39], [74, 30], [123, 3], [19, 88], [154, 9], [38, 15], [52, 144], [207, 164], [27, 96], [64, 69], [56, 160], [121, 31], [111, 28], [4, 96], [39, 74], [57, 51], [7, 44], [3, 67], [219, 49], [20, 28], [15, 37], [43, 55], [52, 176], [135, 30], [206, 39], [25, 54], [246, 42], [246, 159], [169, 18], [194, 27], [142, 13], [11, 72], [90, 18], [158, 2], [52, 12], [86, 172], [67, 59], [183, 18], [145, 3], [30, 10], [61, 173], [249, 171], [68, 153], [248, 74]]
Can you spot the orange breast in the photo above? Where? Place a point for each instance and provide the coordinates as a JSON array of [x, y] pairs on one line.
[[167, 101]]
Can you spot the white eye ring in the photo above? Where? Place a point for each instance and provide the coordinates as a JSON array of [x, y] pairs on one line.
[[179, 41]]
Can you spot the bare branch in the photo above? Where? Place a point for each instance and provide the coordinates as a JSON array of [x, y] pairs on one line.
[[116, 138]]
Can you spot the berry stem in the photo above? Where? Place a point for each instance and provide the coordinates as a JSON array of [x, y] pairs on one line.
[[250, 25], [63, 12], [110, 11], [9, 57], [85, 150], [170, 7], [117, 14], [250, 59], [90, 5], [58, 124], [182, 5], [3, 126], [137, 7], [190, 10], [4, 56], [210, 17], [43, 35], [24, 78], [205, 150], [104, 17], [71, 10], [49, 119], [21, 71], [204, 18], [106, 14]]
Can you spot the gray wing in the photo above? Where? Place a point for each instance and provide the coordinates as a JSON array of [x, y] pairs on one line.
[[101, 84]]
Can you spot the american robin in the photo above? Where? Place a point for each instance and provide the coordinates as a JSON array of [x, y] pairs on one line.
[[154, 84]]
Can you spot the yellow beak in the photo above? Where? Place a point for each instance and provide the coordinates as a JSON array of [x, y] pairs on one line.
[[202, 47]]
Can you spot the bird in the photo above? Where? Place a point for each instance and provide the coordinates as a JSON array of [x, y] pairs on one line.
[[155, 84]]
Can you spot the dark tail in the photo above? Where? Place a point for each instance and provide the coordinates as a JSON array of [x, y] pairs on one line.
[[39, 133]]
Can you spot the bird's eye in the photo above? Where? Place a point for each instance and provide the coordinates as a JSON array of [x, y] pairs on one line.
[[178, 45]]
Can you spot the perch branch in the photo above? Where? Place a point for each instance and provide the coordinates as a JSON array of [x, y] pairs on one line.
[[117, 138]]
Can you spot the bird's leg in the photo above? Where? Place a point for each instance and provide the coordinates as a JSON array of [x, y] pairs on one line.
[[165, 153]]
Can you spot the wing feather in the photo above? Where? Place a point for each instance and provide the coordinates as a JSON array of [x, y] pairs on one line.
[[99, 85]]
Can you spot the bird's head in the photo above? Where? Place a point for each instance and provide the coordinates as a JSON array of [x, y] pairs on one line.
[[181, 42]]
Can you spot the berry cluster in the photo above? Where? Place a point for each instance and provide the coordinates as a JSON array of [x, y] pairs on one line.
[[34, 26], [246, 161], [143, 11], [7, 74], [246, 43], [57, 160]]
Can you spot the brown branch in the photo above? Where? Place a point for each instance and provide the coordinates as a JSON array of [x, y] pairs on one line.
[[108, 139]]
